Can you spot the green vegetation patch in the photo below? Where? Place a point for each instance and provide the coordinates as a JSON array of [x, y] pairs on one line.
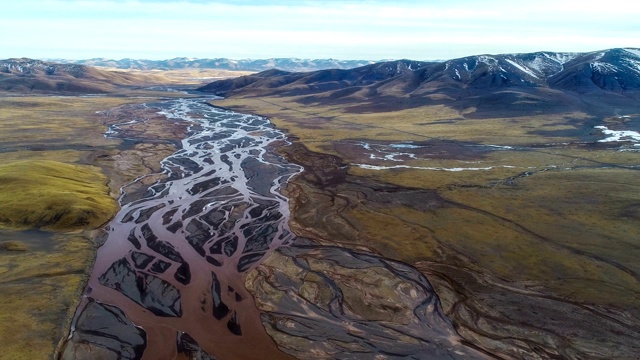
[[53, 195]]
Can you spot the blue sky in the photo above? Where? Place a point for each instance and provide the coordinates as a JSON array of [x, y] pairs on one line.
[[421, 30]]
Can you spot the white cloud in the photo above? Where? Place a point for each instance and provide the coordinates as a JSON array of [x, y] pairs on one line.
[[365, 29]]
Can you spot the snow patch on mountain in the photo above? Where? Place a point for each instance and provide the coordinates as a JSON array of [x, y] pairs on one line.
[[633, 64], [522, 68], [539, 64], [599, 56], [33, 67], [562, 58], [489, 61], [635, 52], [603, 68]]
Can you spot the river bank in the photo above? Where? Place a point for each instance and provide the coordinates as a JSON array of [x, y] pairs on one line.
[[527, 243]]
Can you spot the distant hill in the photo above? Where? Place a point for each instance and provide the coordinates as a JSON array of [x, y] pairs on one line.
[[510, 84], [288, 64], [28, 75], [295, 83]]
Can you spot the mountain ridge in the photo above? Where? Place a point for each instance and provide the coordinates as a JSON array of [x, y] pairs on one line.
[[290, 64], [30, 75], [514, 84]]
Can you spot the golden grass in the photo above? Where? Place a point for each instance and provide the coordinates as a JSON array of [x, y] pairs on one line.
[[562, 229], [506, 164], [39, 289], [316, 125], [53, 195], [181, 76], [28, 122], [13, 246]]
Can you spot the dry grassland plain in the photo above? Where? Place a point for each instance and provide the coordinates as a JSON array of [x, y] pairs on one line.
[[533, 253]]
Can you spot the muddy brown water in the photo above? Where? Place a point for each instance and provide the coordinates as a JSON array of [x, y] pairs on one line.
[[169, 278]]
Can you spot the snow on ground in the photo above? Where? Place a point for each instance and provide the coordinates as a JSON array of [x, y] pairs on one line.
[[380, 152], [392, 156], [618, 135], [374, 167], [500, 147], [599, 55], [405, 146]]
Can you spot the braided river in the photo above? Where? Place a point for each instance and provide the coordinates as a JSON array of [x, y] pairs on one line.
[[169, 278]]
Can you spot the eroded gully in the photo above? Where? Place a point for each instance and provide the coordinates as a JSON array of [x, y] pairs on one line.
[[168, 283]]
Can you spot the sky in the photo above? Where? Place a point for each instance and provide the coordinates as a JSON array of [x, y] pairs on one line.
[[349, 29]]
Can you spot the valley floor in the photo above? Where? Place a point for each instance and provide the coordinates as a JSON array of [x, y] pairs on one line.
[[497, 238], [59, 180]]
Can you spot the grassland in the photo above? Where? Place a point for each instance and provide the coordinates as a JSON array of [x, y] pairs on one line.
[[53, 195], [40, 284], [181, 77], [54, 163], [551, 223], [45, 183]]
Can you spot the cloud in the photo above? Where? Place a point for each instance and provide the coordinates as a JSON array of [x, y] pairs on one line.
[[339, 29]]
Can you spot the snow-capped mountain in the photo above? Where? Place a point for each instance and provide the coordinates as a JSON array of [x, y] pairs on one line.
[[288, 64], [26, 66], [531, 69], [29, 75], [613, 70], [514, 84]]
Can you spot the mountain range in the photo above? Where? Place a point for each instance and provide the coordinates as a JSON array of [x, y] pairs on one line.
[[510, 84], [29, 75], [289, 64], [513, 84]]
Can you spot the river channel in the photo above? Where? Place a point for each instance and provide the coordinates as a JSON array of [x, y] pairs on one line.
[[168, 281]]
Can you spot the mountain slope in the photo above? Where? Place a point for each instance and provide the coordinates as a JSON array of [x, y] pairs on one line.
[[611, 70], [283, 82], [511, 84], [28, 75]]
